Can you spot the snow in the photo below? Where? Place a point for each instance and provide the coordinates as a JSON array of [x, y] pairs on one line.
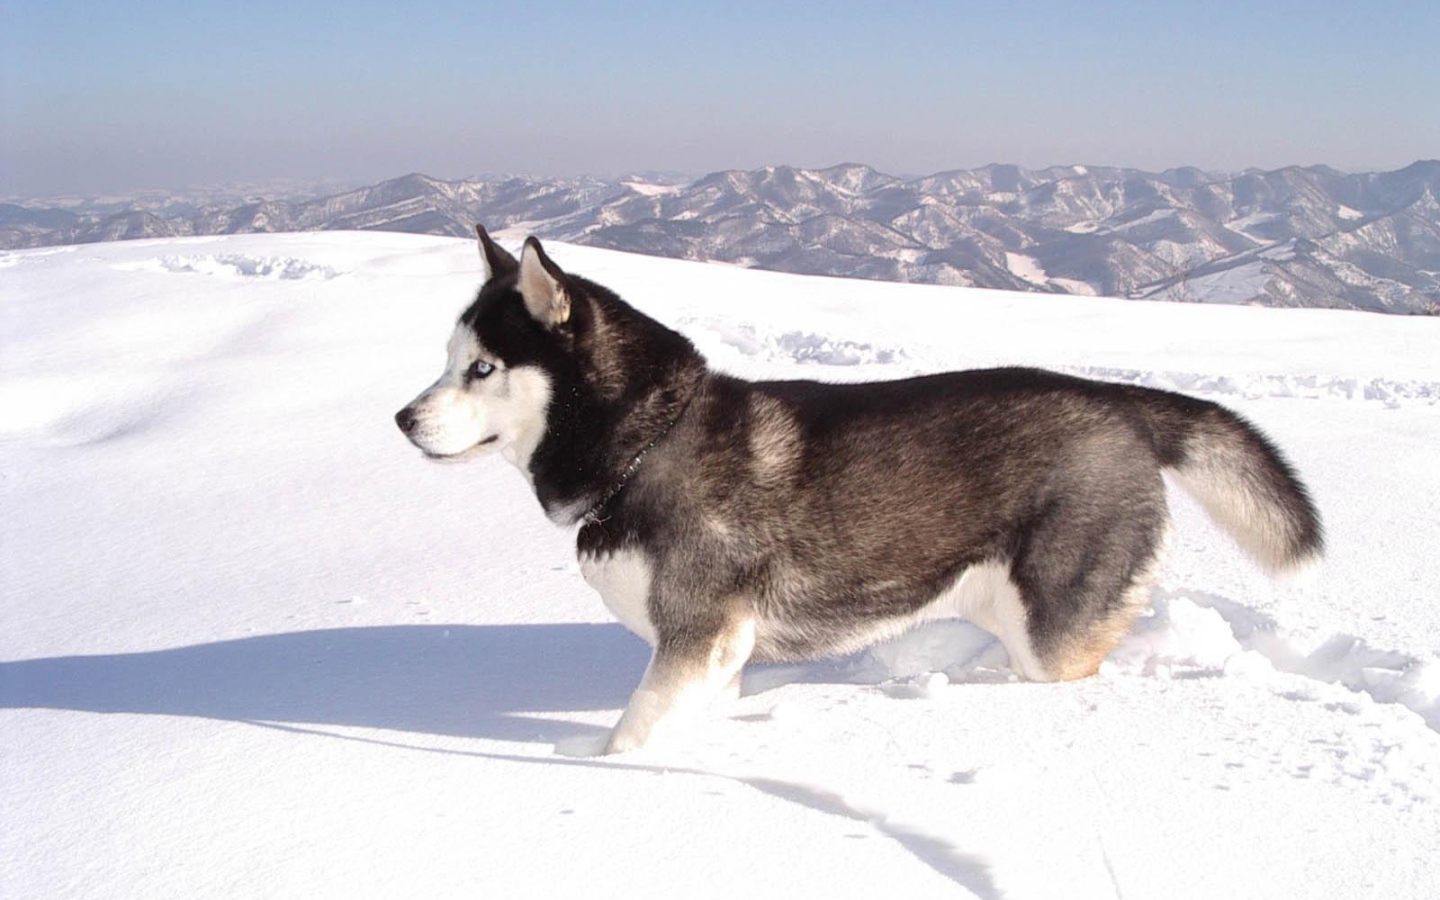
[[1075, 286], [651, 190], [255, 646], [1243, 224], [1237, 284], [1026, 268], [1159, 215]]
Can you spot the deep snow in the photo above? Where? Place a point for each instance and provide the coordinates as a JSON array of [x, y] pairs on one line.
[[255, 646]]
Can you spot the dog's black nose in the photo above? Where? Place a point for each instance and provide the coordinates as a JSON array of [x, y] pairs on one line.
[[405, 418]]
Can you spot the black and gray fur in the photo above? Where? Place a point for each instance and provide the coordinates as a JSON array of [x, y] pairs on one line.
[[727, 521]]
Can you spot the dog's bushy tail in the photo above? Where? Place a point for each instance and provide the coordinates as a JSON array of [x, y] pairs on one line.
[[1238, 476]]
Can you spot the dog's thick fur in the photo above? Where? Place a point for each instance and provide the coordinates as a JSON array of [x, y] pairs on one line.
[[726, 521]]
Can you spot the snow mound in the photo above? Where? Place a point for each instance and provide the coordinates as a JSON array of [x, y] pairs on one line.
[[238, 265], [1176, 635], [805, 348], [73, 412]]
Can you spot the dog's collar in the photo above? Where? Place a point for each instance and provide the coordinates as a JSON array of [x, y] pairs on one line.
[[592, 516]]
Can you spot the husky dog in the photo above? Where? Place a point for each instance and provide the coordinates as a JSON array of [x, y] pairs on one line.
[[725, 520]]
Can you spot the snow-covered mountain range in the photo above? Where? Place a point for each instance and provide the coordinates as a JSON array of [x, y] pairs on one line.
[[1296, 236]]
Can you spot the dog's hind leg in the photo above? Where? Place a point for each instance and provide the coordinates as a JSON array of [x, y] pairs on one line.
[[1080, 654], [1081, 588], [688, 670]]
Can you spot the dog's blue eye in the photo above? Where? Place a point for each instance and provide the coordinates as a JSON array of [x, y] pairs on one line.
[[480, 368]]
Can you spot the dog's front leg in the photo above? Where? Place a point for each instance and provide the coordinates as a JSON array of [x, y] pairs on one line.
[[687, 671]]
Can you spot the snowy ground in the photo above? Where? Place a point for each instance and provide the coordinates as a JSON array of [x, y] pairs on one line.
[[254, 646]]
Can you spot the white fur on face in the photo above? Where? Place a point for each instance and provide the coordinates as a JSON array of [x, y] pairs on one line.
[[460, 417]]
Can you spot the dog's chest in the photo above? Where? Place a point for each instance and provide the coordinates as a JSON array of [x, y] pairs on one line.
[[623, 580]]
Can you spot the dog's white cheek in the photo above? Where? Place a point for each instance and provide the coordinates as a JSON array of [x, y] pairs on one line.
[[450, 421], [521, 413]]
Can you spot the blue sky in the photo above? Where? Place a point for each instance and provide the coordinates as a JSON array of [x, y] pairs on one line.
[[156, 93]]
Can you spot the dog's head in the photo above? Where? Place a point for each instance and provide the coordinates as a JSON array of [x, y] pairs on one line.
[[556, 372], [500, 363]]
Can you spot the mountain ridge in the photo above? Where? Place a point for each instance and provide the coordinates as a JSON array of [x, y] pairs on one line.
[[1295, 236]]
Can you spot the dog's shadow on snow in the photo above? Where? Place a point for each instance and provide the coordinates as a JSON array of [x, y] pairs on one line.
[[485, 681], [502, 682]]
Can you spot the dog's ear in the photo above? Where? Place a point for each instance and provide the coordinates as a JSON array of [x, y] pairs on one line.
[[497, 261], [542, 284]]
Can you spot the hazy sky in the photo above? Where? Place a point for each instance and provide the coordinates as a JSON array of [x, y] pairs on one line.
[[126, 94]]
